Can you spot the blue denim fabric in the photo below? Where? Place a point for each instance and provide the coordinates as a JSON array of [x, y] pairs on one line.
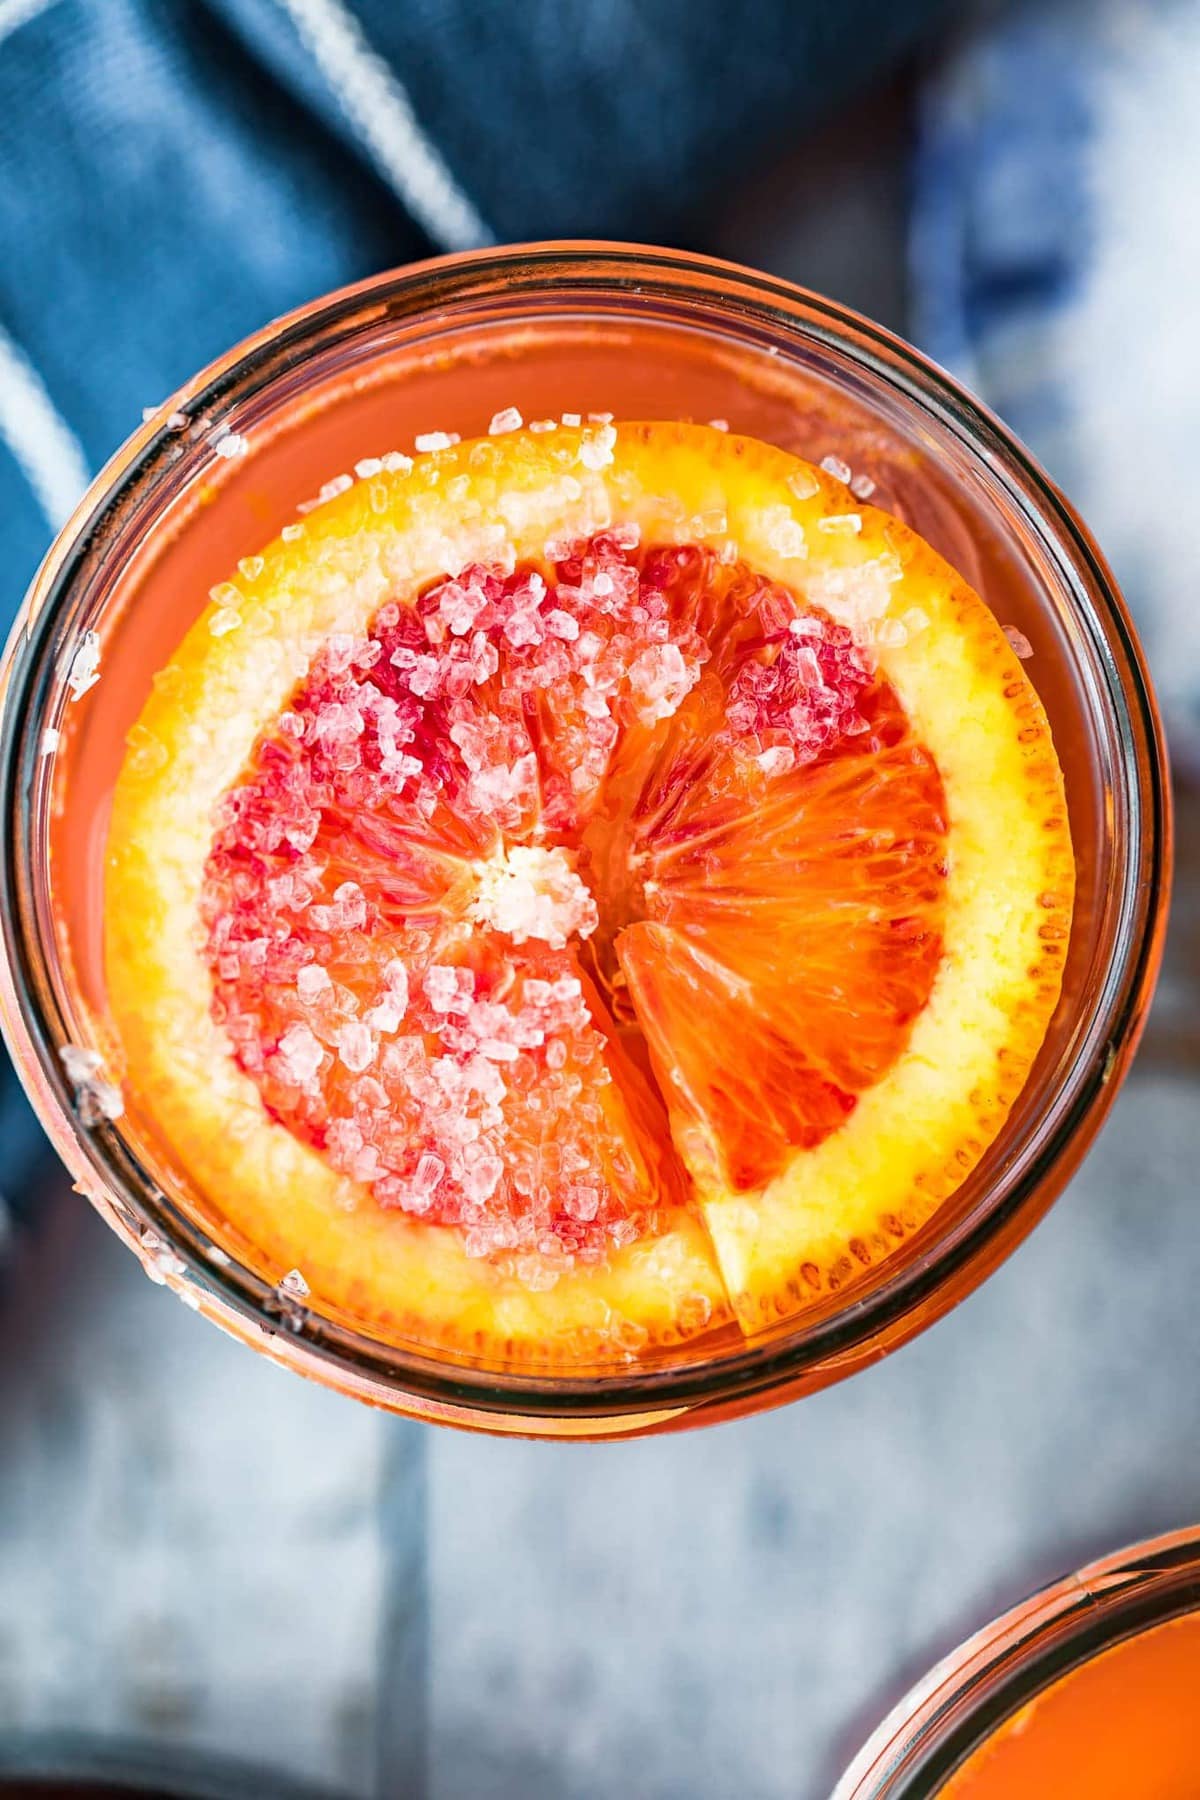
[[173, 173]]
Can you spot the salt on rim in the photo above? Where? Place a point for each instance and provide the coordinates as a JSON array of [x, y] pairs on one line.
[[96, 1099], [84, 671]]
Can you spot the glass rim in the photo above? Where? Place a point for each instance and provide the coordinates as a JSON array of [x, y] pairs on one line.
[[953, 1709], [727, 293]]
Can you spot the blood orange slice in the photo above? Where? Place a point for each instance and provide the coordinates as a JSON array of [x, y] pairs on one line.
[[585, 885]]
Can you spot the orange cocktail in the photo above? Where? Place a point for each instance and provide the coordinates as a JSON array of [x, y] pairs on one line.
[[585, 831], [1121, 1727], [1088, 1688]]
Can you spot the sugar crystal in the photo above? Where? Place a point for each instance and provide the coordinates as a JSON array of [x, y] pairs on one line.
[[533, 893], [340, 484], [84, 671], [509, 419], [1020, 643], [803, 484], [596, 450]]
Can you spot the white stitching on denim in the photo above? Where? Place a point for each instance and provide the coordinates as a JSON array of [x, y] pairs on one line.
[[376, 104], [42, 444]]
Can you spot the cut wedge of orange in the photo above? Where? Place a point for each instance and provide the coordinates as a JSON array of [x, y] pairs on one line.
[[589, 886]]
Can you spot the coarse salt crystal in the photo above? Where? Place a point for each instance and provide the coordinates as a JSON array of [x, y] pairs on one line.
[[338, 485], [529, 892], [508, 419], [84, 671], [596, 450], [95, 1098], [841, 524], [395, 462], [428, 1173], [561, 624], [572, 418], [301, 1053], [784, 534], [294, 1285], [51, 739], [224, 620], [313, 980], [833, 465], [163, 1262], [435, 440], [803, 484], [290, 533], [543, 424], [230, 444], [719, 424], [368, 466], [862, 487], [1020, 643], [79, 1064], [356, 1047]]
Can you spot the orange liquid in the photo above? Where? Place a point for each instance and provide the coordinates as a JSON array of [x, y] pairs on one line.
[[1125, 1726], [327, 416]]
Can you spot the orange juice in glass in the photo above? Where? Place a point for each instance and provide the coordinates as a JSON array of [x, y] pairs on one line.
[[586, 841], [1087, 1688]]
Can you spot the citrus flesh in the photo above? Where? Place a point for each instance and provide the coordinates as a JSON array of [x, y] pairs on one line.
[[583, 888]]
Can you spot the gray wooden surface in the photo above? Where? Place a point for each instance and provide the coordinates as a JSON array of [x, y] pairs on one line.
[[199, 1549]]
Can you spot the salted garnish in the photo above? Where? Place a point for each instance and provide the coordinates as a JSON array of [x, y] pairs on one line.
[[410, 910], [643, 914]]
